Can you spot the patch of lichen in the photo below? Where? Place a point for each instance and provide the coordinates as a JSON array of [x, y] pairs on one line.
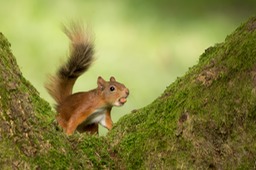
[[205, 119]]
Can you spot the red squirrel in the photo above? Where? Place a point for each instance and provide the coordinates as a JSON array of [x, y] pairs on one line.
[[83, 111]]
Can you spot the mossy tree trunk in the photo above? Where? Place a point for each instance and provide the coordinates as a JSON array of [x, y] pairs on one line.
[[205, 119], [29, 138]]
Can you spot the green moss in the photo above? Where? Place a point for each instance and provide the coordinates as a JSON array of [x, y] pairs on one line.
[[205, 119]]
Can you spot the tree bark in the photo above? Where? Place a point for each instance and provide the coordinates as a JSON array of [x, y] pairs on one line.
[[205, 119]]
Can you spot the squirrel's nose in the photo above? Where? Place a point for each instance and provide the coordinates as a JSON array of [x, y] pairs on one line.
[[127, 92]]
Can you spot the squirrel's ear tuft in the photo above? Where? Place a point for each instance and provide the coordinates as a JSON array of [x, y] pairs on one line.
[[101, 83], [112, 78]]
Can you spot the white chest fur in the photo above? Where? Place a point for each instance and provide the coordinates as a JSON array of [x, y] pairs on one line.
[[98, 116]]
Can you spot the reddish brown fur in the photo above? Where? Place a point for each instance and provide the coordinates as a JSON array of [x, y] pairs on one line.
[[76, 108], [84, 110]]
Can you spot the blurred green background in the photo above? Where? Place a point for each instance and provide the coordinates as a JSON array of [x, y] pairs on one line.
[[145, 44]]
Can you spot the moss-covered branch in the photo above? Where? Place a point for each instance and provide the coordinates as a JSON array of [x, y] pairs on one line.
[[29, 137], [205, 119]]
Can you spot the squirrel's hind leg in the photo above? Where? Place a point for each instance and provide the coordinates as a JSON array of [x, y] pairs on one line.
[[61, 122]]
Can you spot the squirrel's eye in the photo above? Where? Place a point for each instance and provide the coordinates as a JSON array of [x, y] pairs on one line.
[[112, 88]]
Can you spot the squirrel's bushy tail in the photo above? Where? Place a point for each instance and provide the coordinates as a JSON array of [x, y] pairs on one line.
[[80, 58]]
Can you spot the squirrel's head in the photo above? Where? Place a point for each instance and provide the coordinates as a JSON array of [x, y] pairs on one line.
[[113, 92]]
